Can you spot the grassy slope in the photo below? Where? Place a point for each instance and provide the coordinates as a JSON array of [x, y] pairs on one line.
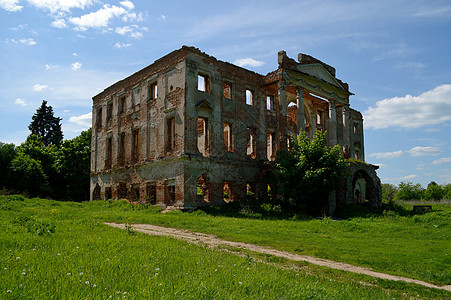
[[416, 246], [85, 258]]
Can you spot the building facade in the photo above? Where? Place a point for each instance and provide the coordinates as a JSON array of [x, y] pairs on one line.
[[190, 130]]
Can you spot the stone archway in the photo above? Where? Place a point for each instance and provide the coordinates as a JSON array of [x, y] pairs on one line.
[[362, 185]]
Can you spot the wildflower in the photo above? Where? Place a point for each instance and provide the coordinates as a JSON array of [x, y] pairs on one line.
[[216, 270], [9, 291], [6, 269], [81, 273], [157, 269], [23, 273], [59, 253], [125, 293], [94, 285], [86, 282], [240, 282], [68, 274], [17, 258]]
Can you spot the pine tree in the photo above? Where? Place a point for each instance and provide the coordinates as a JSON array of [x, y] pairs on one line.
[[46, 125]]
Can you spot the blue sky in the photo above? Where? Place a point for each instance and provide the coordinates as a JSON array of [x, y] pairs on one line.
[[395, 55]]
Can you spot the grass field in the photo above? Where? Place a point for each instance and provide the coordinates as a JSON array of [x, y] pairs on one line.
[[55, 249]]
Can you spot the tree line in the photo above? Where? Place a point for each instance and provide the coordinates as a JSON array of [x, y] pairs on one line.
[[45, 165], [407, 190]]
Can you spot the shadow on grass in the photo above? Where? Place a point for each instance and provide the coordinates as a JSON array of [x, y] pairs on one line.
[[252, 208]]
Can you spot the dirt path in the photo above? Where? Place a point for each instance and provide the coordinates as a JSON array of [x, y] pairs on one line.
[[213, 241]]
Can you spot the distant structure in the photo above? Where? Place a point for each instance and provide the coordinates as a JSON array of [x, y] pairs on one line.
[[190, 130]]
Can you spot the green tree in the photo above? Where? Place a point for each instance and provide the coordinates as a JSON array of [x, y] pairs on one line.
[[434, 191], [308, 172], [388, 192], [409, 191], [73, 165], [7, 154], [447, 191], [46, 125], [28, 176]]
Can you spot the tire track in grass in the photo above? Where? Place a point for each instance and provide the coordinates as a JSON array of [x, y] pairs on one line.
[[213, 241]]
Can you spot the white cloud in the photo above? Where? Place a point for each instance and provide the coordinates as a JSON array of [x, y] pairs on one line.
[[49, 67], [39, 87], [430, 108], [10, 5], [28, 42], [424, 151], [60, 5], [131, 31], [122, 45], [420, 167], [75, 66], [387, 154], [24, 41], [409, 177], [248, 62], [83, 120], [133, 17], [127, 4], [19, 27], [123, 30], [98, 19], [59, 23], [163, 17], [443, 160], [20, 101], [74, 54]]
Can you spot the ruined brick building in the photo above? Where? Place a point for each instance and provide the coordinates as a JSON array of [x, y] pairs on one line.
[[190, 130]]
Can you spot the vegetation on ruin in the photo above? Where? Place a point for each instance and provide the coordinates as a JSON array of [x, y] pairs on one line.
[[308, 172], [53, 249]]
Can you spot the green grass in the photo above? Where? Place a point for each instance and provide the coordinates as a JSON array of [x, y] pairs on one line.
[[52, 249]]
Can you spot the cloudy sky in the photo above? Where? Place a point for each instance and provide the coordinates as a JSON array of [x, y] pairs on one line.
[[395, 55]]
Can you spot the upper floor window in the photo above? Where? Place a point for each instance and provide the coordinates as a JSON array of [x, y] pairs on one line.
[[135, 96], [170, 134], [153, 91], [122, 105], [202, 83], [227, 87], [249, 97], [109, 111], [228, 137], [270, 102], [99, 118], [135, 145]]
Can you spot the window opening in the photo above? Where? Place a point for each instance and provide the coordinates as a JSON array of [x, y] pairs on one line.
[[228, 192], [153, 91], [227, 90], [269, 102], [202, 83], [228, 137], [135, 96], [134, 193], [122, 149], [109, 111], [202, 189], [251, 143], [202, 136], [99, 118], [249, 97], [122, 105], [135, 145], [170, 134], [270, 145], [109, 150], [170, 192], [151, 193]]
